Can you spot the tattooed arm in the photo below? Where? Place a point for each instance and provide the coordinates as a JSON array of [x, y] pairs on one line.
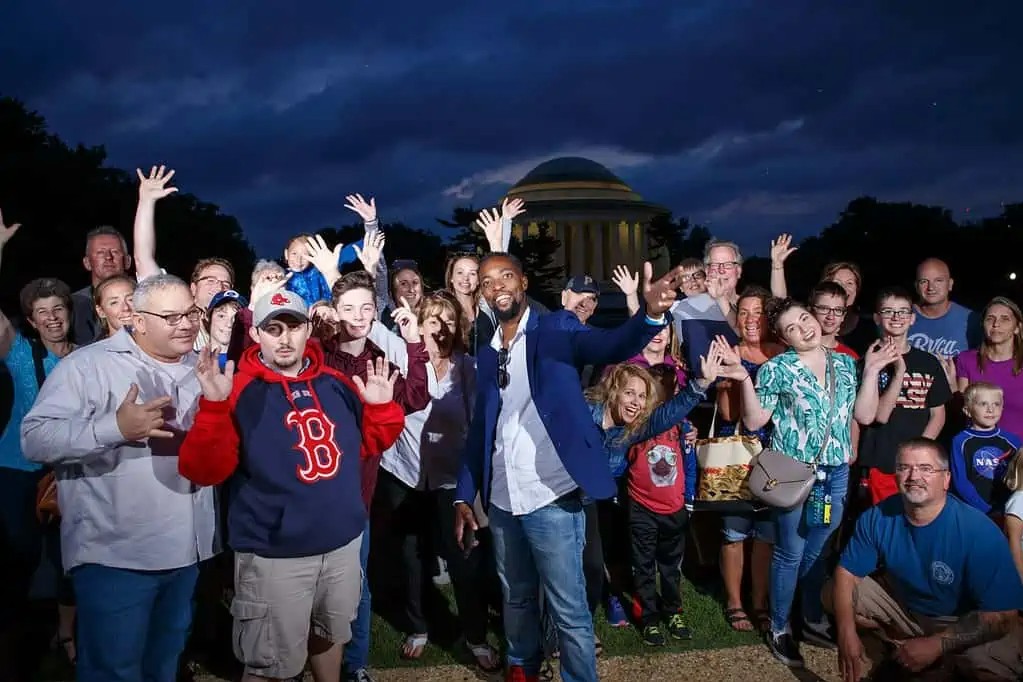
[[976, 628]]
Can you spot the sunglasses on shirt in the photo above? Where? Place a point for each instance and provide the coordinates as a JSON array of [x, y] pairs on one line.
[[502, 368]]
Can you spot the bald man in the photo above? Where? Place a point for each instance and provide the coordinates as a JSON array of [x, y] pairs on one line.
[[942, 327]]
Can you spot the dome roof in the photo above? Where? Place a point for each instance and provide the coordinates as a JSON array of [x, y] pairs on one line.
[[571, 169]]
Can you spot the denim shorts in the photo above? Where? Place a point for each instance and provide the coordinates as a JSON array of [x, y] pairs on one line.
[[758, 525]]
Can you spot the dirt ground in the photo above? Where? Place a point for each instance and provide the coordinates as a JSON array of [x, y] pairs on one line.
[[722, 665]]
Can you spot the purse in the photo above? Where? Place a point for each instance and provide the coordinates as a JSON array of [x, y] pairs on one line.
[[47, 507], [724, 467], [779, 480]]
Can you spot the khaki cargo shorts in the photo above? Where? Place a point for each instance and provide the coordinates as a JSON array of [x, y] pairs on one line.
[[278, 602]]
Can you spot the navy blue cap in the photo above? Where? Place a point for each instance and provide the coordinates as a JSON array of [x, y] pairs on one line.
[[224, 297], [583, 284]]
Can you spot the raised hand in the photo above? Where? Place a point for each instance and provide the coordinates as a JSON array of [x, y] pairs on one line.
[[6, 231], [781, 249], [659, 294], [215, 385], [378, 387], [711, 366], [512, 208], [322, 258], [489, 221], [154, 187], [716, 287], [137, 422], [880, 355], [407, 322], [627, 281], [371, 252], [367, 210], [266, 286], [948, 363]]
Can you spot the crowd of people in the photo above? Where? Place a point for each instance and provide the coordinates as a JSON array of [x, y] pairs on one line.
[[341, 429]]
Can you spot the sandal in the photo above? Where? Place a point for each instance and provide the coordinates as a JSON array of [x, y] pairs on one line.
[[763, 619], [735, 619], [486, 657], [413, 646]]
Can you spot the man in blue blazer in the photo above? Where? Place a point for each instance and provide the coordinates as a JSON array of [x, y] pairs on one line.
[[533, 451]]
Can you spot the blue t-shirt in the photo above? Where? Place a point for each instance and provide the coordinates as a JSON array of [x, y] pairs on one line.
[[956, 564], [23, 375], [957, 330]]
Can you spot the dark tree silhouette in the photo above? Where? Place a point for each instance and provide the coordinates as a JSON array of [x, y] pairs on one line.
[[59, 192]]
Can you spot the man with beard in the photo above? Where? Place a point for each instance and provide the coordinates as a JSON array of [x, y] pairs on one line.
[[949, 595], [530, 452], [106, 255], [110, 419]]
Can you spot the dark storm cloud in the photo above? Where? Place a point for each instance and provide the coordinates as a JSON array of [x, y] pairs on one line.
[[754, 116]]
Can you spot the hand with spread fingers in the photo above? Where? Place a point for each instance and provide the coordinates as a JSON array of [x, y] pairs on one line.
[[489, 221], [367, 210], [512, 208], [378, 387], [781, 249], [371, 252], [216, 384], [659, 294], [323, 259], [154, 187], [138, 422]]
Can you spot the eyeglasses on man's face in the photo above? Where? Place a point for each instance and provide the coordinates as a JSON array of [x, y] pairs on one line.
[[923, 469], [828, 310], [697, 276], [174, 319], [727, 266], [893, 313], [210, 280]]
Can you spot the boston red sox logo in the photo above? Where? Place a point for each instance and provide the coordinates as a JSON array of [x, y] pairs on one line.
[[279, 299], [316, 442]]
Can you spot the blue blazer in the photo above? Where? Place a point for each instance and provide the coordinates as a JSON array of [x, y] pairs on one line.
[[557, 344]]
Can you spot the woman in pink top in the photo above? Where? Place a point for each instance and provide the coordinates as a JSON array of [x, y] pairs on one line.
[[999, 360]]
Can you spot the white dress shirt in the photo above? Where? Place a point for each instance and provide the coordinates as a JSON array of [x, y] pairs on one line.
[[123, 504], [527, 471]]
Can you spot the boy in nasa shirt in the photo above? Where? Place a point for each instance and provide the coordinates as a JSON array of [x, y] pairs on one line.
[[982, 452]]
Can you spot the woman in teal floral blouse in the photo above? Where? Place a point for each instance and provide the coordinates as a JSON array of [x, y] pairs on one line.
[[792, 393]]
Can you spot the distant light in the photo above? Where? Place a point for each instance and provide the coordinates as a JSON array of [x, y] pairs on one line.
[[1012, 276]]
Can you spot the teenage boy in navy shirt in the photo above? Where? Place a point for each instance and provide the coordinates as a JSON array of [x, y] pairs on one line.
[[289, 433], [949, 595]]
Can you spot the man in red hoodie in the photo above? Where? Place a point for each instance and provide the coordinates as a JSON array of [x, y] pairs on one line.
[[289, 433]]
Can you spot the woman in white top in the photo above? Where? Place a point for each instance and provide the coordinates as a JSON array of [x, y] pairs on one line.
[[416, 489]]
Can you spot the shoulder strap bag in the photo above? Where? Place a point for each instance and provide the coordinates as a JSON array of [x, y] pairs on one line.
[[779, 480]]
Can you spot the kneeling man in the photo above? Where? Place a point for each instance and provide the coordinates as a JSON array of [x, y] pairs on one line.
[[289, 433], [948, 597]]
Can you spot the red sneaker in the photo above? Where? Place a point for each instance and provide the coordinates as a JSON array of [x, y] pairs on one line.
[[517, 674]]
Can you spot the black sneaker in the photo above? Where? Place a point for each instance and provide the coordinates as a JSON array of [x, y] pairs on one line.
[[652, 636], [784, 648], [677, 627], [821, 635]]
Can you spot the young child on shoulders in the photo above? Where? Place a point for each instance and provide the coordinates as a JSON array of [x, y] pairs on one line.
[[981, 452], [305, 280], [1014, 510], [661, 486]]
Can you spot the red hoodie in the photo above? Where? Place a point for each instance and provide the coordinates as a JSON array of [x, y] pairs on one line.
[[292, 448]]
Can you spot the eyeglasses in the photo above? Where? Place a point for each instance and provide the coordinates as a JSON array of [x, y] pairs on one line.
[[210, 279], [892, 313], [174, 319], [653, 456], [694, 277], [826, 310], [727, 266], [924, 469], [502, 368]]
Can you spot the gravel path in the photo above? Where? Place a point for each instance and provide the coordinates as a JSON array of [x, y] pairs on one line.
[[722, 665]]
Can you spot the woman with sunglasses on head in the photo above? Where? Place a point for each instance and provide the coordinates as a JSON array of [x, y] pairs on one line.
[[416, 489], [809, 395], [754, 527]]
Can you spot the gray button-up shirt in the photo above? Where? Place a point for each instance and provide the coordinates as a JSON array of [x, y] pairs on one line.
[[123, 504]]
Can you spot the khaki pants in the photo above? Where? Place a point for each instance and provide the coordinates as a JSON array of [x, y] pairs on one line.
[[998, 660]]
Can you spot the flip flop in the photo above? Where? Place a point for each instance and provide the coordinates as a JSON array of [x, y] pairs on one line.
[[413, 646], [735, 617]]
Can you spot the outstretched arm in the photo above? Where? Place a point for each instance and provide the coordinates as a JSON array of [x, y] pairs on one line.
[[152, 188], [781, 249]]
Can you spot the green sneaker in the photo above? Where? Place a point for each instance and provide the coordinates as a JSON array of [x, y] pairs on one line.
[[652, 636], [677, 627]]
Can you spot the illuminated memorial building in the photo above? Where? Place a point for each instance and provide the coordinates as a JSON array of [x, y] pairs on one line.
[[599, 220]]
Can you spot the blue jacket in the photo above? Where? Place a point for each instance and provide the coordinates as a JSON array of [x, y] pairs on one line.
[[310, 283], [557, 344], [665, 416]]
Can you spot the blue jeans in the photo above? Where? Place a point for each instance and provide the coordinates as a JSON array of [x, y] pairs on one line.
[[545, 548], [132, 625], [797, 556], [357, 649]]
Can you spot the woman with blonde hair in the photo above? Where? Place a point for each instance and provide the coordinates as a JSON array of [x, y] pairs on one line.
[[112, 299], [999, 360]]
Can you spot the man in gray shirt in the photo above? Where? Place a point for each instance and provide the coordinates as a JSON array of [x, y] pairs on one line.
[[110, 419]]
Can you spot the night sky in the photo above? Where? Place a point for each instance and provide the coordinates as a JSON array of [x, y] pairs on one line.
[[752, 117]]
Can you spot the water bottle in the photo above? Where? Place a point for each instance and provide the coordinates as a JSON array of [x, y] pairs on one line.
[[818, 505]]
